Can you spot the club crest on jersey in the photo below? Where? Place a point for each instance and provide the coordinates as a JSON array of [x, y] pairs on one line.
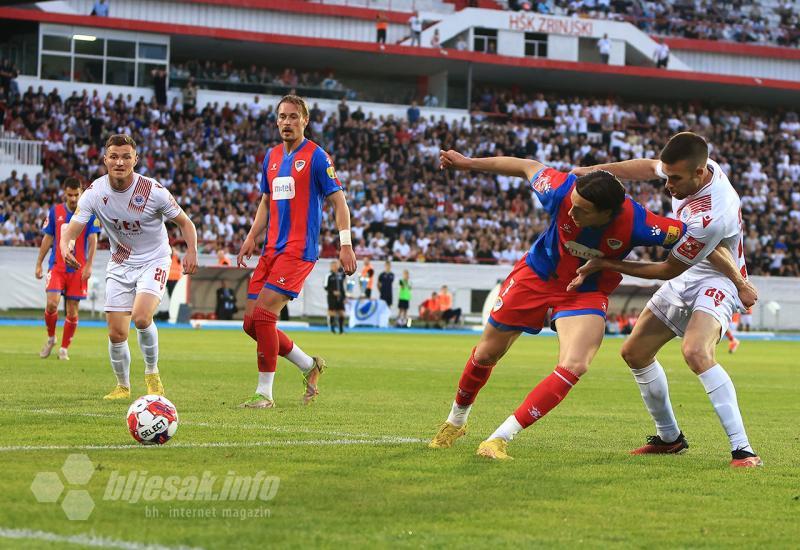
[[105, 200], [273, 167], [673, 234], [138, 200], [706, 220], [299, 165], [614, 244], [498, 304], [542, 184]]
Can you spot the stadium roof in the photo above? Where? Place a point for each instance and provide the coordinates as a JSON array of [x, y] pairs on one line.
[[405, 61]]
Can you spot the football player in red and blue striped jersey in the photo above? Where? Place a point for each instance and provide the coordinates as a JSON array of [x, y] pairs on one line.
[[63, 280], [297, 176], [590, 217]]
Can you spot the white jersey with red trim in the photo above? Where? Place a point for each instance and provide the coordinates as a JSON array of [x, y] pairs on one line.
[[133, 218], [712, 216]]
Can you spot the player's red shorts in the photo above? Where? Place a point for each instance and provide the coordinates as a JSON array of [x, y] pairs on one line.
[[68, 284], [524, 300], [280, 273]]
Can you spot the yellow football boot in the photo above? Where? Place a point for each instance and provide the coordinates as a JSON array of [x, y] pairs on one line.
[[153, 383], [496, 449], [447, 435], [119, 392]]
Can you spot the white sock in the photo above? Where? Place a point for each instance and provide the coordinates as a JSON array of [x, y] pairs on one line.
[[653, 386], [459, 414], [722, 394], [148, 343], [265, 384], [508, 429], [300, 358], [51, 340], [120, 362]]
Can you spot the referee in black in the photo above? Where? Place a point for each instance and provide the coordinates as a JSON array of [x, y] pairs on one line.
[[334, 284]]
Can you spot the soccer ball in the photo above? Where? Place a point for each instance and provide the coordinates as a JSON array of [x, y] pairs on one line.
[[152, 420]]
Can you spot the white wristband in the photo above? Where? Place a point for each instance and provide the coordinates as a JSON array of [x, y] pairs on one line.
[[344, 238]]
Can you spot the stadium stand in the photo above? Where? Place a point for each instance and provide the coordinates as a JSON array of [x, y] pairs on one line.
[[765, 22], [403, 207]]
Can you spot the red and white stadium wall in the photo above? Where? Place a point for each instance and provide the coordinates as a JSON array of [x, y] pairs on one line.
[[22, 290]]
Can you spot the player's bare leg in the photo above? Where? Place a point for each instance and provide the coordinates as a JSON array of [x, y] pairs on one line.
[[144, 307], [639, 351], [248, 325], [287, 348], [119, 353], [579, 338], [493, 345], [699, 349], [70, 326], [50, 319]]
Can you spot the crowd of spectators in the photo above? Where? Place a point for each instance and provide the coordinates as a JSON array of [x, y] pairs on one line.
[[227, 74], [731, 20], [403, 206]]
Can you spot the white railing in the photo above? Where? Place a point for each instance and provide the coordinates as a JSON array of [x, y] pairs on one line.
[[20, 151]]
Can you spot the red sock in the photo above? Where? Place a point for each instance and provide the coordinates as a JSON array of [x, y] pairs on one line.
[[267, 333], [285, 344], [249, 327], [70, 326], [545, 396], [729, 335], [50, 319], [472, 380]]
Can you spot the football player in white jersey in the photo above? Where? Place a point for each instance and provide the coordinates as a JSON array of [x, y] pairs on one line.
[[698, 301], [132, 210]]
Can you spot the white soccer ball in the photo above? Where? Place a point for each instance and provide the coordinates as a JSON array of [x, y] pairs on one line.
[[152, 420]]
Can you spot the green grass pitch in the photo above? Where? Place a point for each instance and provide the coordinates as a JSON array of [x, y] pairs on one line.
[[354, 469]]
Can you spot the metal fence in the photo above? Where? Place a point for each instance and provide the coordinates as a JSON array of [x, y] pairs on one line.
[[20, 151]]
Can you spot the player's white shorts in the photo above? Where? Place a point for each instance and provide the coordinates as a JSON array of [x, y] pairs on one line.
[[746, 319], [124, 282], [675, 302]]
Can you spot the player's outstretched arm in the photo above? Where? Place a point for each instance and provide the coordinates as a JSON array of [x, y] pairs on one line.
[[346, 254], [634, 169], [507, 166], [259, 225], [67, 242], [87, 269], [47, 242], [722, 259], [668, 269], [189, 234]]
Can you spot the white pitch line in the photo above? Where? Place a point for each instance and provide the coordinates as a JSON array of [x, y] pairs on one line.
[[383, 440], [202, 424], [85, 539]]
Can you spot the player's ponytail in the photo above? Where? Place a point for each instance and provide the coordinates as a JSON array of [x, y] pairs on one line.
[[603, 190]]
